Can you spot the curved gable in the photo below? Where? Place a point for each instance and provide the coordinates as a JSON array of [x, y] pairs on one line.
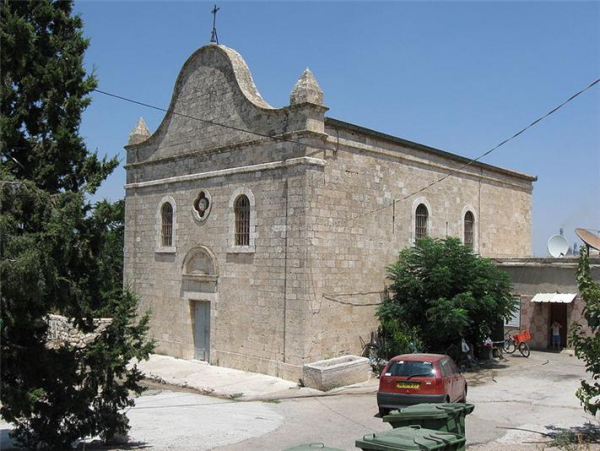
[[215, 86]]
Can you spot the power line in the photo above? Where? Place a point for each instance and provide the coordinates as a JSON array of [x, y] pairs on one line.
[[523, 130], [426, 187], [209, 122], [470, 162], [341, 414]]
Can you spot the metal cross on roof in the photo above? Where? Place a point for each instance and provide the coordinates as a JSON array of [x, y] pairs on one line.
[[213, 36]]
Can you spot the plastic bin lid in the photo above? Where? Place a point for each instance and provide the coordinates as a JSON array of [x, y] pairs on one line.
[[410, 438], [312, 447], [458, 406], [419, 412]]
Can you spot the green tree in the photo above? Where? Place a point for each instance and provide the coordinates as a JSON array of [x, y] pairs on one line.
[[441, 292], [109, 221], [587, 348], [396, 336], [44, 92], [57, 255]]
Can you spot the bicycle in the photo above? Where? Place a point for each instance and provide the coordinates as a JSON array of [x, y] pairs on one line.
[[508, 345], [370, 349], [517, 341]]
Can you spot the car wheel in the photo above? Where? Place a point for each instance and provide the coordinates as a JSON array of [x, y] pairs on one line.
[[447, 399], [464, 398], [383, 411]]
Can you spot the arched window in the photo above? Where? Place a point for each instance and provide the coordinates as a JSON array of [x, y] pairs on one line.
[[469, 227], [421, 218], [165, 228], [242, 221], [167, 224]]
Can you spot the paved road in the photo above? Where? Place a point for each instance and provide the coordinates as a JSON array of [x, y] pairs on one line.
[[535, 394], [177, 420]]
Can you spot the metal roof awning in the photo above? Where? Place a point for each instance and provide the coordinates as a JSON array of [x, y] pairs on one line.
[[563, 298]]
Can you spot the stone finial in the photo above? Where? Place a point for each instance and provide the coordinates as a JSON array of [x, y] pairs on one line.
[[307, 90], [140, 133]]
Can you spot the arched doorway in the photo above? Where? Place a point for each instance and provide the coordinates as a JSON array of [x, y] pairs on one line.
[[199, 287]]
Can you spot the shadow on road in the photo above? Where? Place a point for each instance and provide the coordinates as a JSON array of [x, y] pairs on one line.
[[588, 433], [6, 443], [5, 440]]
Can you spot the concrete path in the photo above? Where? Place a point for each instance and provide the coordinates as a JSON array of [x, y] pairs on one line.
[[213, 380], [176, 420], [186, 421], [227, 382]]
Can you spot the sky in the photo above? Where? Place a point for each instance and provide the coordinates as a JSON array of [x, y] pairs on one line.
[[457, 76]]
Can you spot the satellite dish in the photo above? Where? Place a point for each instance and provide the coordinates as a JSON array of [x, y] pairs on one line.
[[588, 238], [558, 246]]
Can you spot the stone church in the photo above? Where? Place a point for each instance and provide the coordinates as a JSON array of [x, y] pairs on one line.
[[259, 236]]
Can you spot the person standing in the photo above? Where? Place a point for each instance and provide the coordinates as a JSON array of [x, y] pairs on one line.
[[556, 327]]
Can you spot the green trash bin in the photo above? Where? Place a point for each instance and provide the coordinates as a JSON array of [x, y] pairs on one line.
[[312, 447], [462, 409], [448, 417], [409, 438]]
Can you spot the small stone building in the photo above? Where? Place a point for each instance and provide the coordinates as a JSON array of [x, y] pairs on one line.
[[259, 236], [547, 292]]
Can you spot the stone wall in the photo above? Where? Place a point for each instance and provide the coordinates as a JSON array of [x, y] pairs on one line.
[[322, 226], [355, 229], [531, 276], [61, 331], [252, 327]]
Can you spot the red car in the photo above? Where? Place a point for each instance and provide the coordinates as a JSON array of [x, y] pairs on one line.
[[416, 378]]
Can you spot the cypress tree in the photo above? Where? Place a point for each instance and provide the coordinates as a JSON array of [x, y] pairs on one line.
[[58, 255]]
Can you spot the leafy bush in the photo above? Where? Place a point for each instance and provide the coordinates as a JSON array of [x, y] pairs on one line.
[[441, 292], [588, 348], [396, 337]]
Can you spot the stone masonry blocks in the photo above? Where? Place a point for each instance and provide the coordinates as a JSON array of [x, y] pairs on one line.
[[324, 228]]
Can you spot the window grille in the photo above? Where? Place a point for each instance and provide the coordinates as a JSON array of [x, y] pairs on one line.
[[469, 226], [242, 221], [167, 224], [421, 217]]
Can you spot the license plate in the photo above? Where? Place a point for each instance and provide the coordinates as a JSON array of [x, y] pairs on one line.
[[408, 385]]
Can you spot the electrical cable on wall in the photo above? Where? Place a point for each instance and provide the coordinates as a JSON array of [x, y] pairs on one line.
[[393, 202], [408, 196]]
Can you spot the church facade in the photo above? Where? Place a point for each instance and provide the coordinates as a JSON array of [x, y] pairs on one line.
[[259, 236]]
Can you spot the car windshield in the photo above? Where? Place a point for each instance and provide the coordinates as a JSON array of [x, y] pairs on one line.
[[405, 368]]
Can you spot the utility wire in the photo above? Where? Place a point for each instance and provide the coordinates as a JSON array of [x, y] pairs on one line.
[[408, 196], [470, 162], [523, 130], [209, 122], [353, 304], [393, 203], [342, 415]]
